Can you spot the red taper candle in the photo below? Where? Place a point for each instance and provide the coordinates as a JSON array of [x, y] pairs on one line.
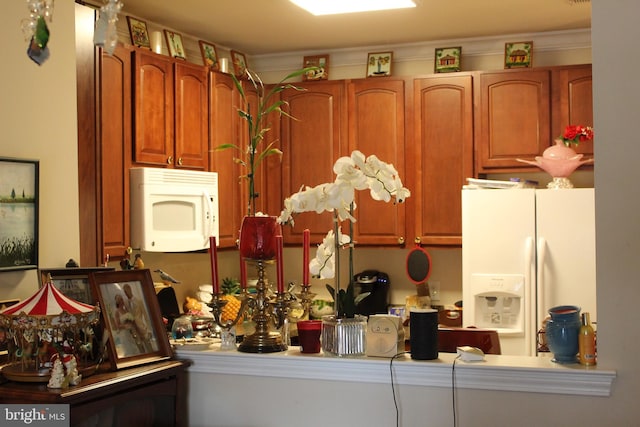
[[306, 241], [280, 270], [213, 252]]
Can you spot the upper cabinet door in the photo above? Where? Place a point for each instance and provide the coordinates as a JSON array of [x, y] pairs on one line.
[[153, 103], [573, 102], [377, 126], [224, 130], [311, 143], [514, 118], [191, 117], [440, 157]]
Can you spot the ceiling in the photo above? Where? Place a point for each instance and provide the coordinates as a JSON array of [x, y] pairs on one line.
[[272, 26]]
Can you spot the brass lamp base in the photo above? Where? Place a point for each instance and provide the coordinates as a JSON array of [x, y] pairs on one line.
[[269, 342]]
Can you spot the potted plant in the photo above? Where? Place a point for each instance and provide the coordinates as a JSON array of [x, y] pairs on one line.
[[258, 231], [343, 332]]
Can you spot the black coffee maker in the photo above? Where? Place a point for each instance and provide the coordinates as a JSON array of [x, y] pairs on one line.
[[377, 283]]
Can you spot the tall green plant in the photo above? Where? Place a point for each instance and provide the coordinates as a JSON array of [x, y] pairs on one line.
[[268, 102]]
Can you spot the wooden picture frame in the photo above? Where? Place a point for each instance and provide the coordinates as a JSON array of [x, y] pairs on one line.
[[518, 55], [19, 199], [447, 59], [174, 44], [379, 64], [138, 32], [72, 282], [131, 317], [320, 61], [210, 56], [239, 62]]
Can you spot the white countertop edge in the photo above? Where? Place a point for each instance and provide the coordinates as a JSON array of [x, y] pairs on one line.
[[501, 373]]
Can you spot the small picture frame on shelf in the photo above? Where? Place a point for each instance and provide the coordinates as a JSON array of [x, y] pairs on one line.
[[518, 55], [174, 43], [320, 61], [379, 64], [131, 317], [72, 282], [138, 32], [239, 62], [209, 55], [447, 59]]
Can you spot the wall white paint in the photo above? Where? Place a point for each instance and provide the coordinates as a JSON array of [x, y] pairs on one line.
[[38, 121]]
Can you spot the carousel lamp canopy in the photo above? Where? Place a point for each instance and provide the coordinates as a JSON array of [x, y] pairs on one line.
[[48, 301]]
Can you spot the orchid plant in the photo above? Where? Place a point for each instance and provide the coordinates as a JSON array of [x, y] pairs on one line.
[[356, 172], [575, 134]]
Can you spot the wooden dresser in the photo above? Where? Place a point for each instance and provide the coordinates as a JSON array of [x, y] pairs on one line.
[[148, 395]]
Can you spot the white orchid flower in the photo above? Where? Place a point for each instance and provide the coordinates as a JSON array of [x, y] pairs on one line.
[[323, 265]]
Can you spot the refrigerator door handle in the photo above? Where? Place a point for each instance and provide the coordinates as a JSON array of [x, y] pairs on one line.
[[529, 293], [542, 302]]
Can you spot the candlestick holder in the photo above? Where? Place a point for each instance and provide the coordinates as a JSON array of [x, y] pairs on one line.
[[306, 297], [265, 313]]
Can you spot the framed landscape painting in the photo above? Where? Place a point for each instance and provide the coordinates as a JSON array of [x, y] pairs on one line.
[[18, 214]]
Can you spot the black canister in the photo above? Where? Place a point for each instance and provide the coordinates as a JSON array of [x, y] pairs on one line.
[[423, 327]]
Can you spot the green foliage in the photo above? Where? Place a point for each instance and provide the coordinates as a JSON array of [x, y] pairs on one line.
[[346, 302], [268, 102]]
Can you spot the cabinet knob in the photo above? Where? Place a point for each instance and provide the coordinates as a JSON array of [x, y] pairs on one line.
[[401, 240], [170, 160], [180, 161], [417, 240]]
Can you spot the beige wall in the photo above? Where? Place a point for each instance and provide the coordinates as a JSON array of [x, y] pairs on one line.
[[38, 121]]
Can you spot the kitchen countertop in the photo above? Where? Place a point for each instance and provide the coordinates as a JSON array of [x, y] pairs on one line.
[[496, 372]]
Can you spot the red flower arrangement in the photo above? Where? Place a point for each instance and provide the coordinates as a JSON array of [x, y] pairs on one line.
[[574, 134]]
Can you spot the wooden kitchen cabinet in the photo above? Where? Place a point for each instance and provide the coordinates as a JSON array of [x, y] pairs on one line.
[[224, 129], [513, 118], [171, 112], [151, 395], [311, 144], [572, 102], [440, 157], [376, 112]]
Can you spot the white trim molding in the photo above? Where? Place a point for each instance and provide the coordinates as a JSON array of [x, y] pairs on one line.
[[477, 46], [502, 373]]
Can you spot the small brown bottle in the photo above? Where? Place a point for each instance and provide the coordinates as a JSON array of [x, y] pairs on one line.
[[587, 342]]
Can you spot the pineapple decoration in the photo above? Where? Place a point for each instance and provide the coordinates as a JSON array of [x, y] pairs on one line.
[[230, 288]]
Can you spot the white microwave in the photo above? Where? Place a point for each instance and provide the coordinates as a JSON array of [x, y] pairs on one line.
[[173, 210]]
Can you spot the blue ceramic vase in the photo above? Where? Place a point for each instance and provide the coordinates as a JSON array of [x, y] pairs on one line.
[[562, 333]]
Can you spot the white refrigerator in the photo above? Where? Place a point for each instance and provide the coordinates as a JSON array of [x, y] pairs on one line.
[[523, 252]]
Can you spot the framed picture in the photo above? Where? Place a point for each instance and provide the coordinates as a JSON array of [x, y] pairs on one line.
[[518, 55], [131, 317], [379, 64], [72, 282], [239, 62], [139, 33], [209, 55], [174, 43], [18, 214], [320, 61], [447, 59]]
